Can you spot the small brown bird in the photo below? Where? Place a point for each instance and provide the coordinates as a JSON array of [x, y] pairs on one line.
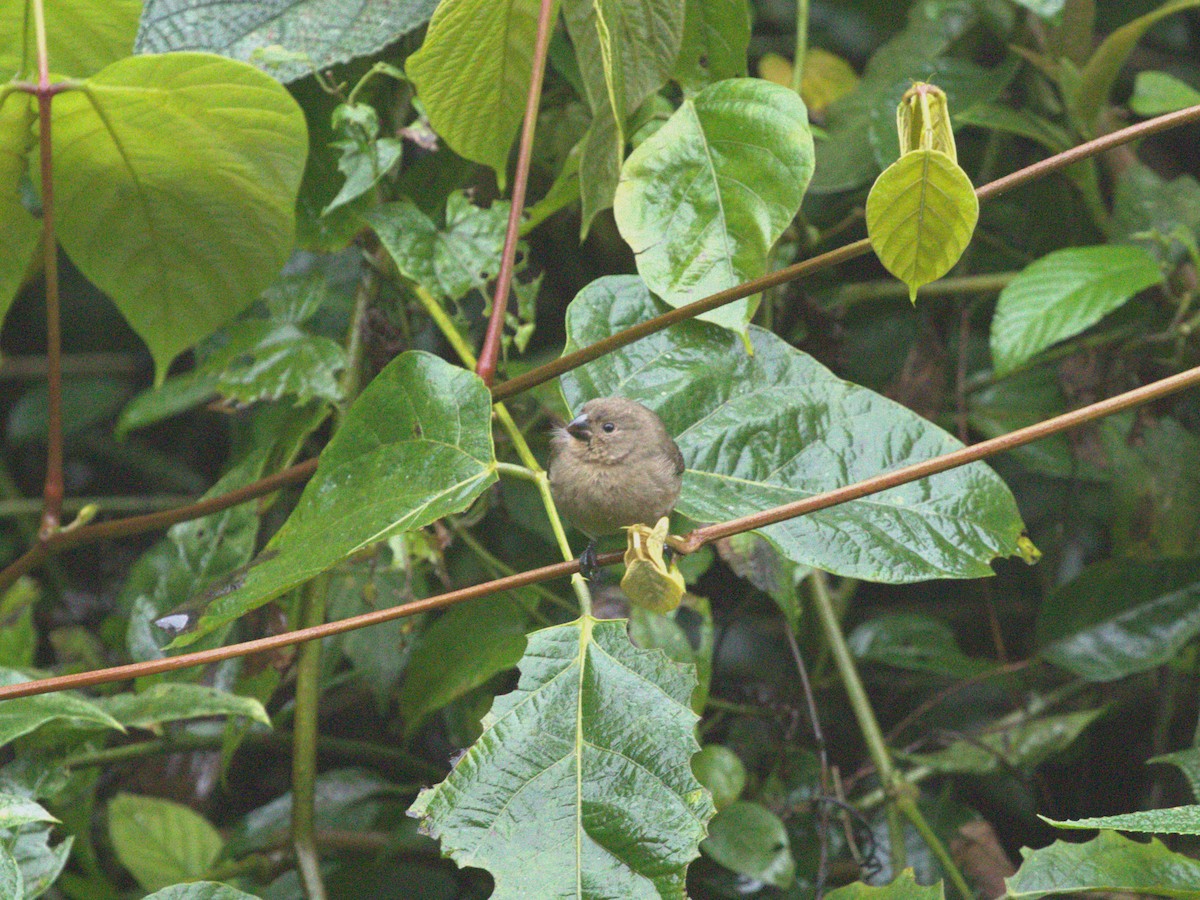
[[613, 465]]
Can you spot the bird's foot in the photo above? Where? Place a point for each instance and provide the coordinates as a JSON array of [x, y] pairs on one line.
[[588, 564]]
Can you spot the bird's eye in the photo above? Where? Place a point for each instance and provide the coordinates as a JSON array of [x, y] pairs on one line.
[[609, 427]]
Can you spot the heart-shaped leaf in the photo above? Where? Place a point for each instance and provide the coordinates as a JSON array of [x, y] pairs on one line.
[[703, 199], [175, 182]]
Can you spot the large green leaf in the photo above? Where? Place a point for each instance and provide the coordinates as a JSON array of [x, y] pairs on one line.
[[914, 642], [702, 201], [716, 34], [415, 446], [1063, 293], [450, 260], [765, 429], [161, 842], [472, 73], [82, 36], [176, 179], [1120, 617], [1100, 74], [325, 32], [581, 780], [21, 230], [921, 213], [1108, 862]]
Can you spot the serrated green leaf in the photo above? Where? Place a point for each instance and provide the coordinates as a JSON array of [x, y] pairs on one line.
[[1021, 745], [22, 232], [749, 839], [200, 890], [1109, 862], [1062, 294], [472, 73], [82, 36], [914, 642], [16, 811], [1175, 820], [1120, 617], [1155, 93], [905, 887], [716, 35], [269, 360], [459, 652], [174, 702], [161, 842], [415, 446], [718, 402], [320, 33], [25, 714], [447, 261], [702, 201], [1100, 74], [596, 738], [921, 214], [187, 167]]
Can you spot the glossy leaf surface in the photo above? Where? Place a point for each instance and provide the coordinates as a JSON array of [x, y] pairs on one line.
[[1063, 293], [1120, 617], [582, 774], [415, 446], [702, 201], [759, 431], [1175, 820]]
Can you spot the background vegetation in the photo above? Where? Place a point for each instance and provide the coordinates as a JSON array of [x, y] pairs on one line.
[[242, 237]]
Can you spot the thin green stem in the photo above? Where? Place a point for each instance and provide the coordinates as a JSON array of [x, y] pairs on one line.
[[801, 44], [868, 725], [445, 324], [304, 748], [912, 812]]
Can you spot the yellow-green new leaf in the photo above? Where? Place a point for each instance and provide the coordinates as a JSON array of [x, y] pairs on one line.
[[472, 74], [175, 180], [921, 214]]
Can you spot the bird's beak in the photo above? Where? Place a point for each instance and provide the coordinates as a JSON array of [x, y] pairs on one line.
[[580, 428]]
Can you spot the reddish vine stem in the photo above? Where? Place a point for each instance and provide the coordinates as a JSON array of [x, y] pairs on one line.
[[489, 353], [1044, 167], [687, 543]]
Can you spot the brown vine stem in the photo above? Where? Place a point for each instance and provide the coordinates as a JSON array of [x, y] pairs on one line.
[[687, 543], [1040, 169], [119, 528], [139, 524], [489, 353]]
